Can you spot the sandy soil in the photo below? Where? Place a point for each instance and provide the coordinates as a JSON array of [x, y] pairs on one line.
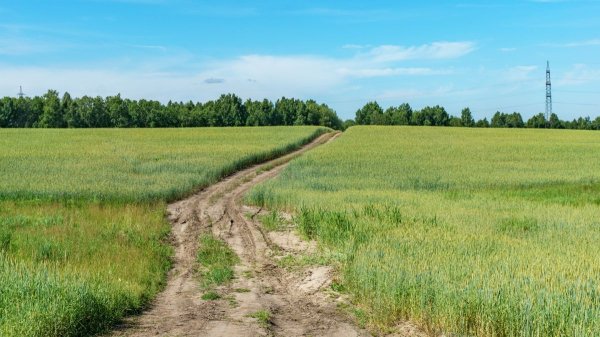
[[296, 301]]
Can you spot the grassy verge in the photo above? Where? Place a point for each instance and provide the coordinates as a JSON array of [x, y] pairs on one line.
[[467, 232], [75, 270]]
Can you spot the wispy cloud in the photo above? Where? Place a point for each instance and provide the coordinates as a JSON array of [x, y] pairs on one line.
[[436, 50], [548, 1], [325, 11], [100, 81], [356, 46], [575, 44], [140, 2], [408, 94], [579, 74], [253, 76], [401, 71], [213, 80], [20, 46], [520, 73], [149, 47]]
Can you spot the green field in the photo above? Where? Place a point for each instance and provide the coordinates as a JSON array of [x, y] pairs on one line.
[[490, 232], [82, 216]]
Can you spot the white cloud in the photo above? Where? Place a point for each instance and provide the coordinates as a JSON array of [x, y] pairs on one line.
[[14, 46], [579, 74], [356, 46], [412, 94], [97, 81], [436, 50], [183, 76], [309, 75], [575, 44], [586, 43], [276, 75], [381, 72], [548, 1], [520, 73]]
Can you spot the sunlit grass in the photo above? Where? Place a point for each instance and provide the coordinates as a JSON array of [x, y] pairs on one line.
[[475, 232], [73, 270], [83, 234], [132, 164]]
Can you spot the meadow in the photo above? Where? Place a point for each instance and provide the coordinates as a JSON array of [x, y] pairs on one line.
[[83, 234], [487, 232]]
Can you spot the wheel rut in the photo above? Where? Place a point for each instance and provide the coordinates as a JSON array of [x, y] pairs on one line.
[[294, 300]]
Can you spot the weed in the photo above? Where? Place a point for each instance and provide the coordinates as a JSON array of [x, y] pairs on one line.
[[262, 316], [217, 259], [210, 296]]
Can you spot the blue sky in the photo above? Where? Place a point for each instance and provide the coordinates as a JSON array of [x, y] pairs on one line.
[[487, 55]]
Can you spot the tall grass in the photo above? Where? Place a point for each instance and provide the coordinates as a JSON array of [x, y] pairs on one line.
[[133, 165], [83, 234], [470, 232], [74, 270]]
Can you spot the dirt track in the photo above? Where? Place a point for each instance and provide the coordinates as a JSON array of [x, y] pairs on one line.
[[296, 300]]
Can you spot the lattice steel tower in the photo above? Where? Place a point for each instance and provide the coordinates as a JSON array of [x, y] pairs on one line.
[[21, 94], [548, 92]]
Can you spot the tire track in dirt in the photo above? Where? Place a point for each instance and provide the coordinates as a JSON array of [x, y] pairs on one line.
[[296, 305]]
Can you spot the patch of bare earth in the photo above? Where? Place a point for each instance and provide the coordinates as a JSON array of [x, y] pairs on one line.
[[293, 303]]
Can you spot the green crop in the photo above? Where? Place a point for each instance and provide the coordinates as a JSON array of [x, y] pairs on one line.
[[488, 232], [132, 164], [82, 216]]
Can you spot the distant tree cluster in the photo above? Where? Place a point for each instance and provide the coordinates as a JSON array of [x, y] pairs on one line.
[[372, 114], [53, 111]]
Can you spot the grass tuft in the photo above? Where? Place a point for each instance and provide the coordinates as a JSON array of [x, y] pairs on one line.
[[210, 296], [263, 317], [217, 260]]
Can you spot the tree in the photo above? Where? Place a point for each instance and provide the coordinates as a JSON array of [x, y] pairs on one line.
[[482, 123], [466, 118], [380, 118], [514, 120], [537, 121], [314, 112], [231, 111], [118, 112], [498, 120], [365, 114], [328, 118], [555, 122], [285, 111], [455, 121], [596, 123], [52, 116], [431, 116], [400, 115], [348, 123], [69, 108], [7, 112]]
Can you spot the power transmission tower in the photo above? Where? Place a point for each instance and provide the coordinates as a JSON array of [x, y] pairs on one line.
[[548, 92], [21, 94]]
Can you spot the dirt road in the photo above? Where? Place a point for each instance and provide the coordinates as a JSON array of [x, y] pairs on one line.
[[296, 301]]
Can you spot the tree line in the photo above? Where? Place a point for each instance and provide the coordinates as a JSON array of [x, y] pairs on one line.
[[373, 114], [53, 111]]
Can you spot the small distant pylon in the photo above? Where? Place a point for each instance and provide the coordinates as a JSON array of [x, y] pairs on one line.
[[548, 92], [21, 94]]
